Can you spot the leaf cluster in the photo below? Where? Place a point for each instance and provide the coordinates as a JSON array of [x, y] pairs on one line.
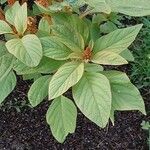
[[66, 51]]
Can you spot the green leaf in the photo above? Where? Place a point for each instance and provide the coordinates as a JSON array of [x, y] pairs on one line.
[[108, 58], [89, 67], [39, 90], [130, 7], [125, 96], [94, 31], [44, 25], [33, 76], [7, 84], [6, 61], [4, 27], [92, 95], [108, 27], [46, 66], [11, 12], [3, 49], [69, 37], [54, 48], [20, 19], [118, 40], [73, 21], [28, 49], [127, 55], [66, 76], [98, 6], [61, 116]]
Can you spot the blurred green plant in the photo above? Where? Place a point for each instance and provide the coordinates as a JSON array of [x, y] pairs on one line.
[[140, 70]]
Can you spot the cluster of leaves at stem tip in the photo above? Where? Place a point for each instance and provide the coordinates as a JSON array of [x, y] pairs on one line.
[[60, 49]]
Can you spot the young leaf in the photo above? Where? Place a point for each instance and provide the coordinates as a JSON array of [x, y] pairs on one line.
[[125, 96], [66, 76], [54, 48], [4, 27], [61, 116], [20, 19], [11, 13], [39, 90], [28, 49], [92, 95], [118, 40], [130, 7], [108, 58], [7, 84]]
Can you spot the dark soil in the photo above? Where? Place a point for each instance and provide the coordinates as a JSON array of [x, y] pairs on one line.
[[27, 130]]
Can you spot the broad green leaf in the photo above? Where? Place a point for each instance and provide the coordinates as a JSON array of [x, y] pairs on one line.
[[98, 6], [81, 26], [69, 37], [38, 90], [61, 116], [108, 58], [73, 21], [118, 40], [44, 26], [7, 85], [89, 67], [4, 27], [125, 96], [66, 76], [46, 66], [92, 95], [127, 55], [6, 61], [11, 12], [54, 48], [130, 7], [28, 49], [20, 20]]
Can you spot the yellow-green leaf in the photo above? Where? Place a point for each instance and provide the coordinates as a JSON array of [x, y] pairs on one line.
[[28, 49], [66, 76], [92, 95], [61, 116]]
